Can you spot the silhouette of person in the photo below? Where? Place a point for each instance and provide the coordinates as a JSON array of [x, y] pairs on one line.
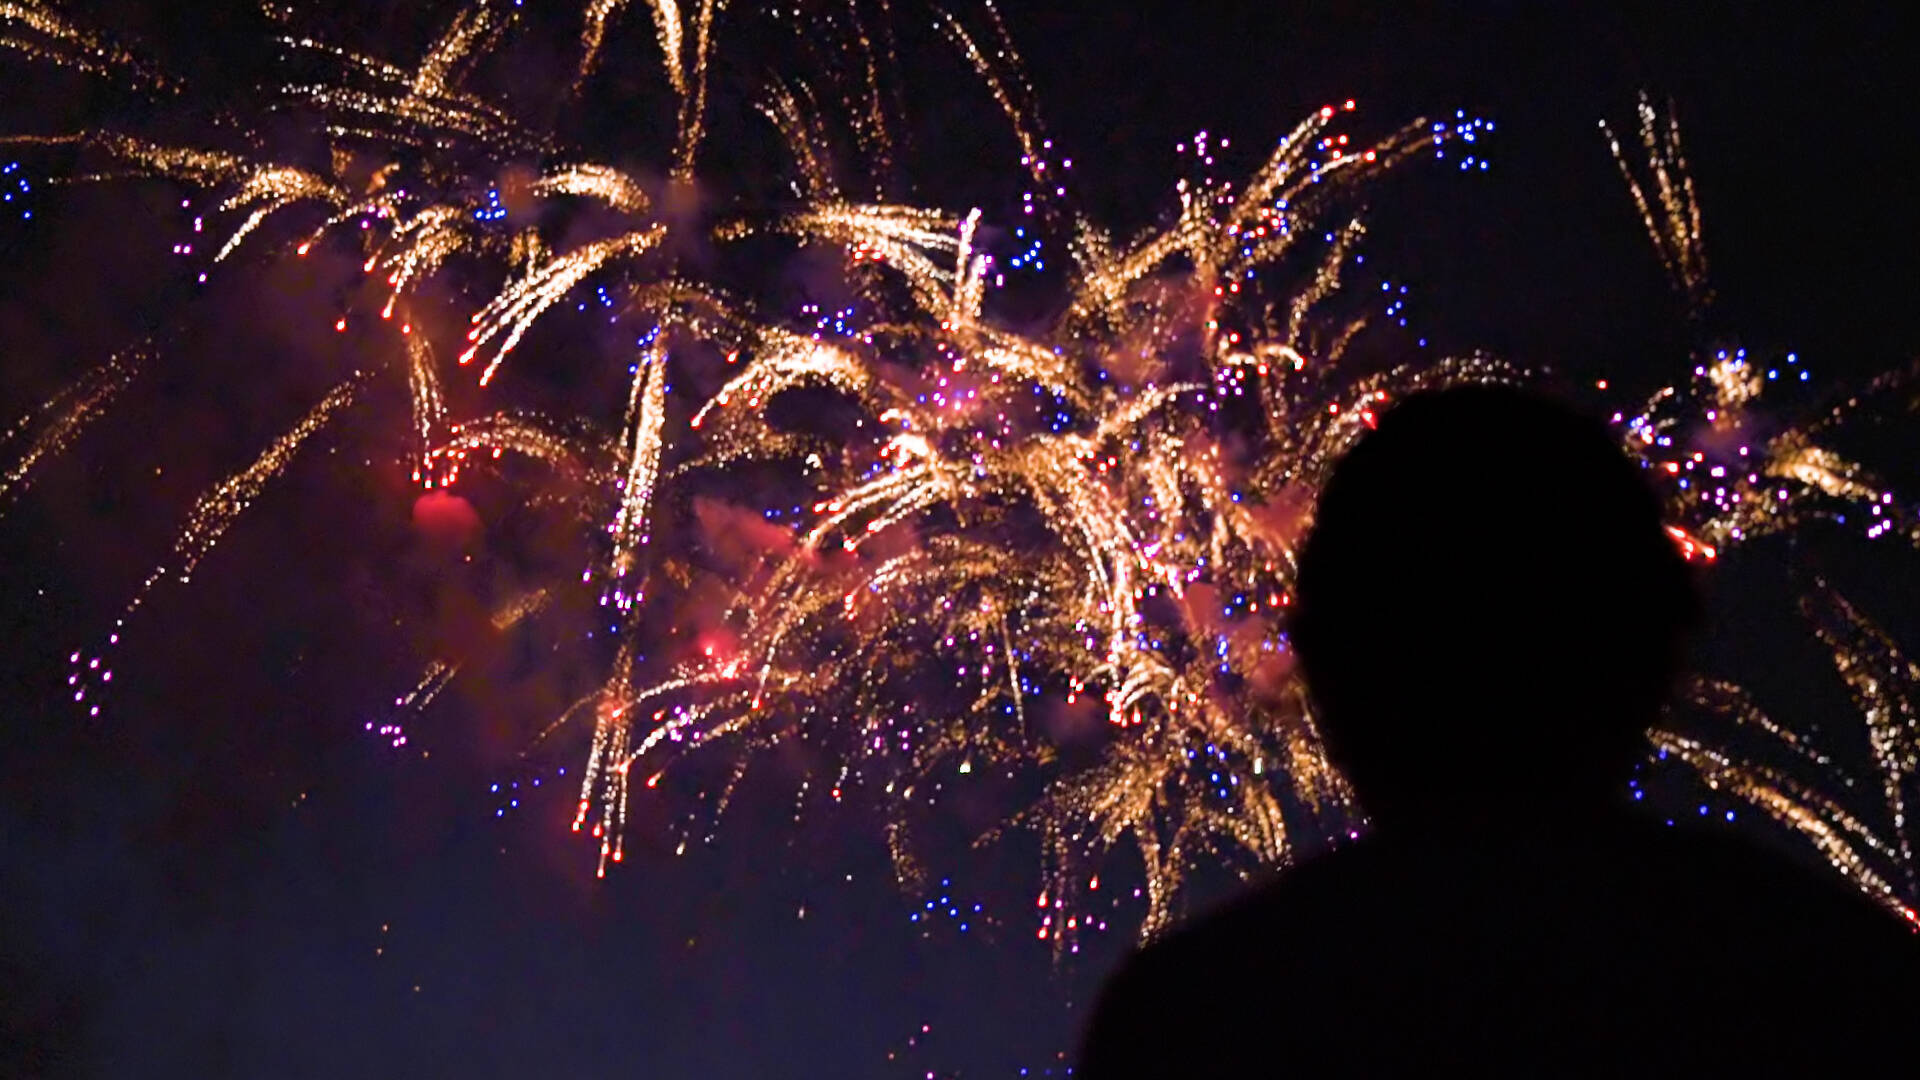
[[1488, 615]]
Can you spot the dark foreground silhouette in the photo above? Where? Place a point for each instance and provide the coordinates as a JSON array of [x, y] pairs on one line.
[[1489, 614]]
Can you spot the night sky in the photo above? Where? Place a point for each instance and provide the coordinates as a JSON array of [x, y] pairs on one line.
[[230, 877]]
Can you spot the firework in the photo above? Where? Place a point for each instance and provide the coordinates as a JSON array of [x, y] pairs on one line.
[[1056, 559], [1729, 481]]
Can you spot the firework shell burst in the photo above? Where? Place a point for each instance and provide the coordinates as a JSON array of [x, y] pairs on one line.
[[1027, 520], [1057, 556]]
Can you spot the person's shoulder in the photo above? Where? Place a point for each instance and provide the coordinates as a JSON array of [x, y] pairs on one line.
[[1767, 912], [1285, 911], [1299, 921], [1204, 974], [1728, 865]]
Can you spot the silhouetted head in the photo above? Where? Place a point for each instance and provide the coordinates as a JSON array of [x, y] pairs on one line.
[[1489, 610]]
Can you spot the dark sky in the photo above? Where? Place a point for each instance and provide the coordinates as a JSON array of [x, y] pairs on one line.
[[230, 879]]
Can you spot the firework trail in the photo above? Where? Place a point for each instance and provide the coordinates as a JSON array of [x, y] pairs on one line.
[[646, 416], [1882, 681], [212, 515], [219, 508], [40, 32], [441, 673], [1665, 199], [438, 676], [576, 454], [429, 406], [48, 430]]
